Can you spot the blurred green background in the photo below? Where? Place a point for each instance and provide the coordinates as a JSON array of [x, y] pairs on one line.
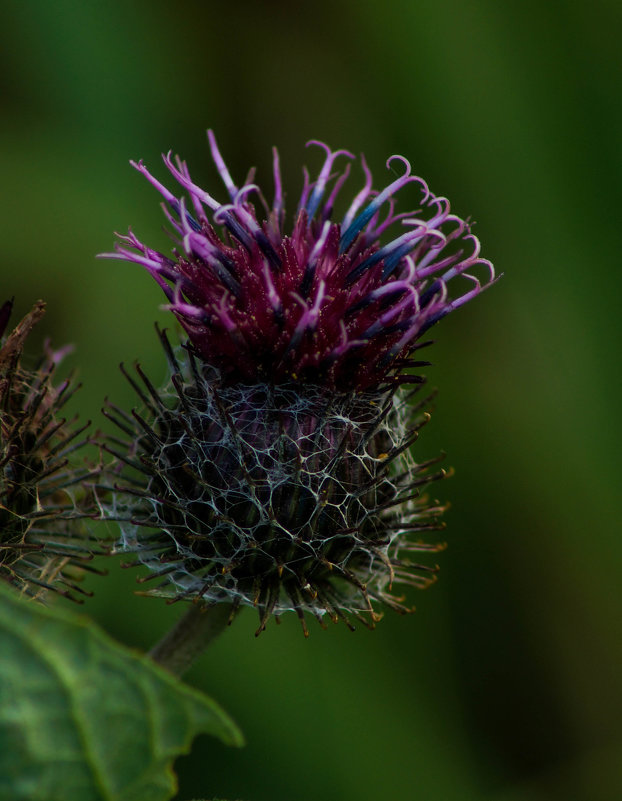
[[507, 683]]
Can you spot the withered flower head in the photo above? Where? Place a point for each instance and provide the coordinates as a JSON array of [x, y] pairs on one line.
[[274, 469], [42, 543]]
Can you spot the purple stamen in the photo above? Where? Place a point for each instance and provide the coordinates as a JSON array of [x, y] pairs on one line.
[[183, 178], [274, 299], [361, 221], [306, 188], [320, 184], [391, 254], [277, 206], [314, 258], [328, 206], [221, 166], [360, 198]]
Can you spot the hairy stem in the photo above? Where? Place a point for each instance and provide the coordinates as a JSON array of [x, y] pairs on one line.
[[190, 636]]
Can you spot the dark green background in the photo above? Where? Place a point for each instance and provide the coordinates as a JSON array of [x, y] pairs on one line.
[[506, 685]]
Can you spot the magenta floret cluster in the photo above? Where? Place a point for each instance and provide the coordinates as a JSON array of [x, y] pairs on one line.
[[338, 303]]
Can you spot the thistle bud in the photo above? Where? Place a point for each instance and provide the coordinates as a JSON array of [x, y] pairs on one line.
[[274, 469], [42, 543]]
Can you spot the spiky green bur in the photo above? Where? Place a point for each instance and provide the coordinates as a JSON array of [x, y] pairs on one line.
[[269, 496], [42, 542]]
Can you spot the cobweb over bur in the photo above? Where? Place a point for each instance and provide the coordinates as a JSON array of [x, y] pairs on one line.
[[266, 496], [338, 303], [274, 469]]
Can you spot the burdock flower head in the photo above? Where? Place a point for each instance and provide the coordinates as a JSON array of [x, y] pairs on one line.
[[274, 469], [42, 543]]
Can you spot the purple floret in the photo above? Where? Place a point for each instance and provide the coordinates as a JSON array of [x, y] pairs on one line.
[[336, 303]]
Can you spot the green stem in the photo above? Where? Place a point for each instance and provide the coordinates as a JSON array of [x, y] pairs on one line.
[[190, 636]]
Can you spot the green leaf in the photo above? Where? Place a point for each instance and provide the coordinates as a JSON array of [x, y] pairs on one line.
[[83, 718]]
